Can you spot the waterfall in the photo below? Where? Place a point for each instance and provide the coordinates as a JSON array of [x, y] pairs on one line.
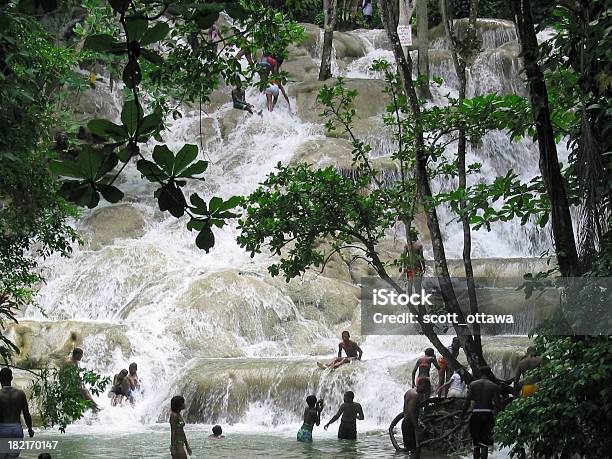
[[240, 346]]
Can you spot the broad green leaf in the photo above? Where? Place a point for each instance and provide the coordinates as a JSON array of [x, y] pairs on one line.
[[131, 149], [120, 6], [132, 75], [198, 203], [184, 158], [152, 56], [197, 225], [66, 168], [130, 115], [214, 204], [100, 43], [136, 27], [150, 123], [206, 239], [205, 21], [171, 198], [156, 33], [196, 168], [106, 129], [164, 158], [110, 193], [151, 171], [108, 164], [89, 161]]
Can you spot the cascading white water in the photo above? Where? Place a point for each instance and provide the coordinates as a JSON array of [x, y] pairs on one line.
[[214, 326]]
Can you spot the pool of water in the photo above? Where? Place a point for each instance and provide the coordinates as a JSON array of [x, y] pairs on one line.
[[153, 442]]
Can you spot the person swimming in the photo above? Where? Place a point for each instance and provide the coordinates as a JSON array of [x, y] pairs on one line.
[[312, 416], [179, 447], [217, 433], [351, 348]]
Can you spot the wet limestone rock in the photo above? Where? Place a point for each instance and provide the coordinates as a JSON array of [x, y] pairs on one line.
[[105, 225], [370, 100], [61, 337]]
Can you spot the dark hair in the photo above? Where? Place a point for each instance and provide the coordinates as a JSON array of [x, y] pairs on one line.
[[44, 456], [133, 365], [77, 351], [311, 401], [430, 352], [485, 371], [123, 373], [349, 396], [177, 403], [531, 351], [217, 430], [345, 331], [6, 375]]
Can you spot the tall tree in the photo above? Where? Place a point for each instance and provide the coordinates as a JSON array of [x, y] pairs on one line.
[[462, 52], [563, 233], [423, 47], [329, 9]]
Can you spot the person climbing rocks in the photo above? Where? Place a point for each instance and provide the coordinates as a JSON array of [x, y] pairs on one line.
[[445, 373], [73, 361], [411, 431], [239, 100], [454, 387], [350, 348], [423, 366], [413, 253], [527, 386], [13, 403], [179, 447], [485, 395], [350, 412], [312, 417], [217, 433], [121, 388], [272, 92]]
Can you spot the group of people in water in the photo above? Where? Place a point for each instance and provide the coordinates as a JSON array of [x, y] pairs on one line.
[[483, 398]]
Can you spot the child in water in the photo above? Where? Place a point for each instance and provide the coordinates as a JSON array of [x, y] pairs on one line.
[[312, 416]]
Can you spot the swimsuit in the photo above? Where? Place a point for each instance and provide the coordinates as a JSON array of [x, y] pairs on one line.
[[410, 273], [347, 430], [481, 427], [305, 434], [11, 431]]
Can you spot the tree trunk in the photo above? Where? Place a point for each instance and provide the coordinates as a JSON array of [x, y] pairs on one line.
[[563, 233], [423, 47], [404, 65], [460, 64], [329, 7]]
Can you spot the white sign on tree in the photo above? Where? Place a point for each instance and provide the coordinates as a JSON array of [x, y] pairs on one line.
[[405, 34]]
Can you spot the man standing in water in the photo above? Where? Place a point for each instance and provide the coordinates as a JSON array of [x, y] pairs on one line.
[[73, 361], [351, 348], [350, 412], [530, 362], [13, 403], [133, 377], [411, 432], [486, 396]]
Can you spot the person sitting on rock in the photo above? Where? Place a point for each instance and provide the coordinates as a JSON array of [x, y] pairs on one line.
[[351, 348], [239, 100]]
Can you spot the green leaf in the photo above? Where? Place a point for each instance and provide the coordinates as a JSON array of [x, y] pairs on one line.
[[110, 193], [120, 6], [131, 149], [199, 204], [132, 75], [237, 11], [171, 198], [136, 27], [89, 162], [151, 171], [150, 123], [196, 168], [108, 164], [100, 43], [66, 168], [164, 158], [105, 129], [185, 157], [130, 115], [156, 33], [206, 21], [197, 225], [152, 56], [215, 204], [206, 239]]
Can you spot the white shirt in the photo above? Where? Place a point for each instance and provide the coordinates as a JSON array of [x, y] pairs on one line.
[[456, 383]]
